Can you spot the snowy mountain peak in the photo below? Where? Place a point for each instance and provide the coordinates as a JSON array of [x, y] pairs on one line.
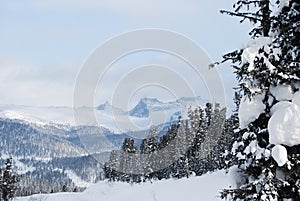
[[104, 106], [150, 101], [141, 109], [144, 106], [148, 105]]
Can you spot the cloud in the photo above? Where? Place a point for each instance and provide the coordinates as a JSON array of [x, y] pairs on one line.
[[133, 78], [24, 83], [48, 32]]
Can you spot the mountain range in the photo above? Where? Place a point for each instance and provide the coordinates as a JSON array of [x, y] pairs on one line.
[[146, 111], [35, 136]]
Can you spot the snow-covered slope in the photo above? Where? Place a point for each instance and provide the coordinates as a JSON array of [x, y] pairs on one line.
[[38, 115], [206, 187]]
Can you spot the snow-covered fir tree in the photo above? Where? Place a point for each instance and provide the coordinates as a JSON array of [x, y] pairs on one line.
[[267, 150], [111, 167], [178, 153], [8, 181], [128, 161]]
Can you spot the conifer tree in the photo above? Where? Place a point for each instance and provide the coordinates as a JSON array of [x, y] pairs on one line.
[[267, 67], [127, 160], [111, 167], [8, 181], [199, 129]]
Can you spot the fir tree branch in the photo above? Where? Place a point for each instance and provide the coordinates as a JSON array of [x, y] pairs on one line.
[[243, 15]]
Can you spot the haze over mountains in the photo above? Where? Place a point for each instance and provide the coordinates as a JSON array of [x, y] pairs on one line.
[[147, 112]]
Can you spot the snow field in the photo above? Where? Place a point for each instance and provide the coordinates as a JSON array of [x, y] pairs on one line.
[[206, 188]]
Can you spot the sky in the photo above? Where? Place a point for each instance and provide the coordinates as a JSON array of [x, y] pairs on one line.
[[44, 45]]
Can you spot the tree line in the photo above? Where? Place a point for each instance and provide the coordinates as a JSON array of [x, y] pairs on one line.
[[191, 146]]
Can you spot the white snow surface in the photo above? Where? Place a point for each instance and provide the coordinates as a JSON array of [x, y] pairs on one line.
[[206, 187], [237, 178], [280, 105], [278, 7], [77, 180], [284, 126], [279, 153], [255, 149], [282, 92], [250, 110], [284, 3], [251, 51], [21, 168]]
